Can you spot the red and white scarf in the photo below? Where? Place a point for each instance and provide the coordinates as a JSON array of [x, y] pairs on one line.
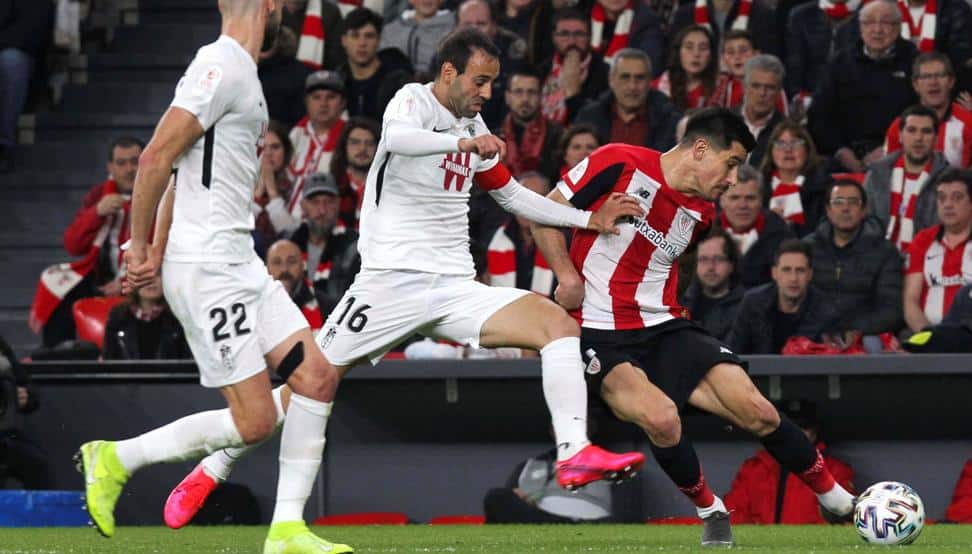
[[901, 225], [501, 265], [310, 156], [622, 29], [744, 239], [838, 10], [310, 47], [786, 197], [553, 101], [524, 156], [954, 137], [58, 280], [739, 23], [923, 30]]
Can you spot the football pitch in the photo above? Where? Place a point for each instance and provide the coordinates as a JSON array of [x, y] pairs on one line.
[[512, 539]]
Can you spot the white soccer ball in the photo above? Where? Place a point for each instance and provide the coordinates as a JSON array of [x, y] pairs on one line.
[[889, 513]]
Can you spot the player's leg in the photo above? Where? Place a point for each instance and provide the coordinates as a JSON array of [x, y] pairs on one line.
[[727, 391]]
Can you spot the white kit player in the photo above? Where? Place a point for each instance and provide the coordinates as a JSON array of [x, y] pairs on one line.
[[238, 321], [417, 271]]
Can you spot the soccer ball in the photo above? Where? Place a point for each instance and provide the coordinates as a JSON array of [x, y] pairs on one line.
[[889, 513]]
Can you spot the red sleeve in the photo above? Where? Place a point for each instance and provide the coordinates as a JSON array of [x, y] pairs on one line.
[[80, 234], [594, 176], [739, 498], [892, 139], [493, 178], [960, 510]]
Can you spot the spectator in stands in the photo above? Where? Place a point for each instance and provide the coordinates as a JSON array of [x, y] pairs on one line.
[[367, 69], [737, 49], [578, 142], [949, 32], [795, 179], [762, 83], [619, 24], [940, 257], [757, 231], [314, 138], [99, 229], [285, 263], [25, 29], [417, 32], [723, 16], [532, 20], [692, 69], [143, 328], [574, 74], [898, 185], [318, 24], [513, 53], [329, 249], [20, 457], [787, 307], [352, 158], [756, 495], [814, 32], [282, 76], [953, 334], [934, 80], [273, 186], [513, 259], [855, 266], [960, 509], [713, 296], [862, 88], [530, 138], [631, 111]]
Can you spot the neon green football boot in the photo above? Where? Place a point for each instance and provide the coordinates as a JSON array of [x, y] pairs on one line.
[[104, 478], [293, 537]]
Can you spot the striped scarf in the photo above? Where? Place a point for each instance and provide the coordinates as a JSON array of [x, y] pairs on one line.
[[310, 47], [739, 23], [553, 98], [622, 28], [923, 30], [786, 197], [501, 265], [744, 239], [839, 10], [901, 225]]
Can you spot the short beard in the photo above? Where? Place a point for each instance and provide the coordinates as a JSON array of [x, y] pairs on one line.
[[317, 229], [363, 168], [915, 161]]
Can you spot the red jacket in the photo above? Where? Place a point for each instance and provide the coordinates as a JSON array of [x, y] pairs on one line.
[[753, 495], [960, 510], [80, 235]]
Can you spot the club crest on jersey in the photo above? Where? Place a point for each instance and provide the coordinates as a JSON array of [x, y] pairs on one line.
[[684, 224], [456, 166], [471, 130]]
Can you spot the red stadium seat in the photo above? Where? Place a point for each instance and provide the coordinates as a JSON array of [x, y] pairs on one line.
[[679, 520], [859, 177], [91, 315], [364, 518], [458, 520]]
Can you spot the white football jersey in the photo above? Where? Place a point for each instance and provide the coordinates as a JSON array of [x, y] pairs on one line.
[[415, 210], [212, 219]]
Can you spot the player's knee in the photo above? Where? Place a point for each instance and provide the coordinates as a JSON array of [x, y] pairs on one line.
[[662, 424], [763, 417], [315, 378], [559, 325], [256, 428]]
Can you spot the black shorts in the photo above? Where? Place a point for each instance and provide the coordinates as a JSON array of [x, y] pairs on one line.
[[675, 356]]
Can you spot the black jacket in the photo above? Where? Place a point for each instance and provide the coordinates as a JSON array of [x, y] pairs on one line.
[[20, 375], [762, 140], [365, 97], [26, 25], [283, 78], [858, 98], [342, 251], [596, 83], [953, 37], [662, 119], [762, 25], [125, 336], [755, 265], [812, 39], [752, 333], [862, 279], [718, 320]]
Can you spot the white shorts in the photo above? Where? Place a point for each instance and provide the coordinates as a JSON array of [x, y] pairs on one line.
[[232, 314], [384, 307]]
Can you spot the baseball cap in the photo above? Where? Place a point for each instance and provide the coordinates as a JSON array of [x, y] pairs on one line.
[[320, 183], [324, 79]]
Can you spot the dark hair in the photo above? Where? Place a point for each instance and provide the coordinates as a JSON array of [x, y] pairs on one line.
[[794, 246], [339, 161], [767, 167], [847, 183], [721, 127], [573, 131], [124, 141], [737, 34], [729, 247], [524, 71], [458, 46], [920, 111], [676, 73], [952, 175], [568, 14], [359, 17], [929, 57], [282, 133]]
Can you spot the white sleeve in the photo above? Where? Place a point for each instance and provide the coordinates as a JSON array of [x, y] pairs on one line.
[[516, 198], [281, 219], [205, 91], [403, 138]]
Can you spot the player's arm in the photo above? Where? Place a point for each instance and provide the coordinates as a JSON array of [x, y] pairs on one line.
[[913, 314], [553, 246]]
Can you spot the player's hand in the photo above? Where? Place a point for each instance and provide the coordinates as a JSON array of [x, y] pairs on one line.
[[143, 266], [570, 293], [487, 146], [109, 203], [618, 205]]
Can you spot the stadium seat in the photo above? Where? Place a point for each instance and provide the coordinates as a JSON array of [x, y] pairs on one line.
[[364, 518], [675, 520], [458, 520], [91, 315]]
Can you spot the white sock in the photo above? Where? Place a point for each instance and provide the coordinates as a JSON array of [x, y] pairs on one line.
[[566, 393], [837, 500], [219, 464], [717, 506], [188, 438], [301, 447]]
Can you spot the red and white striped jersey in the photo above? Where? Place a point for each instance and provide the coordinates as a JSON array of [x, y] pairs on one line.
[[945, 270], [631, 279], [954, 137]]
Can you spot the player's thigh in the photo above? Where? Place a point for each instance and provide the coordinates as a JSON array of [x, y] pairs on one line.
[[727, 390], [378, 311], [632, 397], [218, 305]]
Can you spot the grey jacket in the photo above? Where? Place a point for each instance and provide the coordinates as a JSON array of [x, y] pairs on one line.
[[418, 41], [878, 187]]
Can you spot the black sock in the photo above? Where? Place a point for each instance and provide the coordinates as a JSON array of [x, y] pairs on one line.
[[679, 462], [791, 447]]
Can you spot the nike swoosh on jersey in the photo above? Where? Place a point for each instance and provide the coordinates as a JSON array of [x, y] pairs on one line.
[[441, 130]]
